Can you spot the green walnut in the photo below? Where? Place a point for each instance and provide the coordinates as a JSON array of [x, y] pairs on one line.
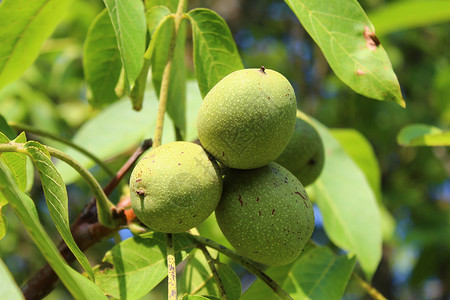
[[247, 118], [265, 214], [175, 187], [304, 155]]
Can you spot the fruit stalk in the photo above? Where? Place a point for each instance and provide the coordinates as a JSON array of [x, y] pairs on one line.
[[171, 268], [163, 94], [276, 288]]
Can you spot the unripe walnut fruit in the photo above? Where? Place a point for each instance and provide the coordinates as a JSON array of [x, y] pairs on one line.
[[304, 155], [247, 118], [175, 187], [265, 214]]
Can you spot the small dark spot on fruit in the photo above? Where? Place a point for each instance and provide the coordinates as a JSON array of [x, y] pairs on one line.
[[179, 164], [268, 97], [223, 153], [257, 199], [259, 212], [240, 200], [194, 216], [273, 211], [140, 192], [137, 180], [312, 162]]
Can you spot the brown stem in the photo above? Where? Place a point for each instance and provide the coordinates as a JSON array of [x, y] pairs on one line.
[[86, 230]]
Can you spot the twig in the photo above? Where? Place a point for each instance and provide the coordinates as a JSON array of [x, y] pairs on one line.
[[373, 292], [22, 127], [164, 91], [210, 260], [86, 230], [171, 268], [276, 288]]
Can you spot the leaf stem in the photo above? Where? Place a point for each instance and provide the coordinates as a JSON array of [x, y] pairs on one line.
[[210, 260], [276, 288], [22, 127], [171, 268], [163, 94], [104, 206]]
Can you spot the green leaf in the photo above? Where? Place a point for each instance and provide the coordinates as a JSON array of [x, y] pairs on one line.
[[128, 19], [350, 213], [406, 14], [135, 266], [197, 278], [3, 223], [360, 150], [197, 297], [101, 60], [16, 163], [215, 53], [24, 26], [79, 286], [8, 289], [348, 42], [319, 274], [6, 129], [155, 17], [176, 98], [171, 4], [423, 135], [115, 130], [56, 197]]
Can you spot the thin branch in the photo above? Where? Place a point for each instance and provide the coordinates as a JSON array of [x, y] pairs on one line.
[[22, 127], [373, 292], [210, 260], [164, 91], [171, 268], [276, 288]]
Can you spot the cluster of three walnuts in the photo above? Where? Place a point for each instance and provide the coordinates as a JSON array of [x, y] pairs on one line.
[[244, 123]]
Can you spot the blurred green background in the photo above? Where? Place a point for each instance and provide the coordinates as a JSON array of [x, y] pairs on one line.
[[52, 95]]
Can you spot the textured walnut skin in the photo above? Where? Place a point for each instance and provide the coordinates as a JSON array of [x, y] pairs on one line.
[[247, 118], [175, 187], [265, 214]]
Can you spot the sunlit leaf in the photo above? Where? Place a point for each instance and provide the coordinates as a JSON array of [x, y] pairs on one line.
[[128, 20], [8, 289], [197, 278], [360, 150], [56, 196], [406, 14], [347, 39], [350, 213], [135, 266], [423, 135], [101, 60], [78, 285], [24, 26], [215, 52]]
